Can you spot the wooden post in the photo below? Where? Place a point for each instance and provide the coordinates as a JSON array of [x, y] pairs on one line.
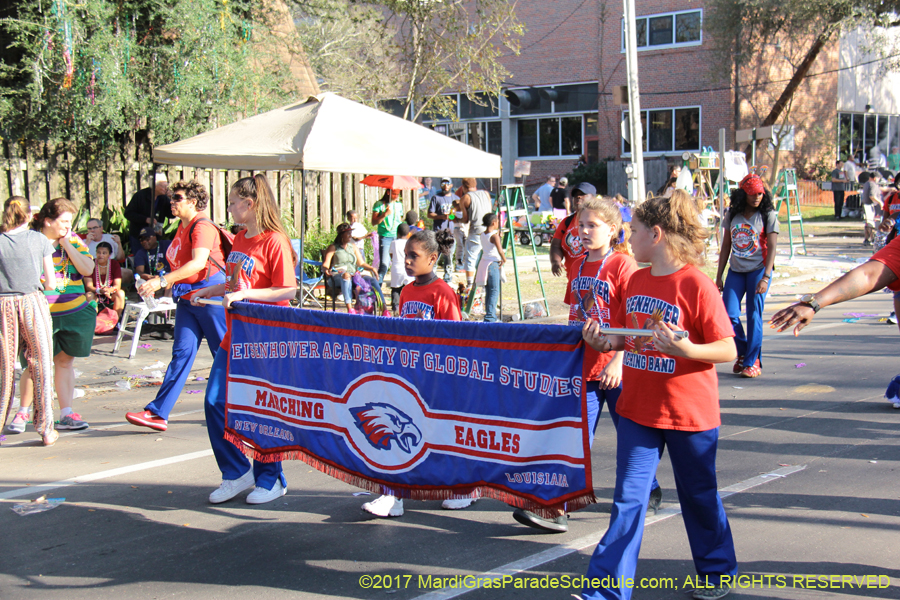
[[114, 180], [219, 191], [16, 178], [35, 173], [77, 176], [298, 195], [323, 213], [336, 198]]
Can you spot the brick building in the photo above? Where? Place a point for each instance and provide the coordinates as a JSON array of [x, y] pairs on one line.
[[560, 104]]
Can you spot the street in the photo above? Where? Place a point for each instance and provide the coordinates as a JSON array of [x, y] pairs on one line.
[[809, 454]]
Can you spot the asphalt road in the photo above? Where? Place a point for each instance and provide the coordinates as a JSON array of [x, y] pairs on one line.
[[810, 457]]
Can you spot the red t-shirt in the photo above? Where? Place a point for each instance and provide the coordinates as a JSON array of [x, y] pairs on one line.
[[262, 261], [889, 256], [668, 392], [433, 301], [568, 237], [602, 295], [114, 271], [181, 249], [892, 204]]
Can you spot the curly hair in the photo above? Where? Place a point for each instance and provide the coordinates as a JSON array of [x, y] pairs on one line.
[[434, 242], [739, 203], [52, 210], [194, 190], [678, 217]]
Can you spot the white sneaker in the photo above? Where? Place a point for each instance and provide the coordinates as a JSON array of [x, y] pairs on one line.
[[385, 506], [232, 487], [261, 495], [340, 298], [457, 503]]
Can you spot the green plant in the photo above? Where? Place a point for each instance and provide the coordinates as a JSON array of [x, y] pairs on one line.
[[594, 173], [315, 241]]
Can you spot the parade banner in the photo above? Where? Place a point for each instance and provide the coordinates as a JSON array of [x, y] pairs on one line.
[[419, 409]]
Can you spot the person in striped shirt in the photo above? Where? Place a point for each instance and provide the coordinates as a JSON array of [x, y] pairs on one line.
[[73, 317]]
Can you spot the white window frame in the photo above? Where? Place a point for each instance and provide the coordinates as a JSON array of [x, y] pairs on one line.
[[674, 44], [673, 150]]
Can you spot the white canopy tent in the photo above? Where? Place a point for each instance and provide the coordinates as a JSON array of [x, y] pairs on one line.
[[329, 133]]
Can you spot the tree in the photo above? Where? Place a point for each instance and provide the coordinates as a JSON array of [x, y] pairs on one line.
[[415, 50], [93, 70], [346, 46], [741, 30]]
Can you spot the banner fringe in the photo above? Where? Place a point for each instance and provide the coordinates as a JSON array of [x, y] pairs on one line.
[[546, 511]]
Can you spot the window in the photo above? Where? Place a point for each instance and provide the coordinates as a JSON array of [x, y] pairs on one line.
[[528, 137], [483, 107], [484, 135], [495, 137], [858, 132], [551, 136], [668, 130], [579, 97], [667, 30]]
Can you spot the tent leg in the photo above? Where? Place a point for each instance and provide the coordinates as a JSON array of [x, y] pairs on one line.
[[302, 218]]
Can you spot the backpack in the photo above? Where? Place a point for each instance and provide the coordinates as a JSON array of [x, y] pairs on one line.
[[226, 239]]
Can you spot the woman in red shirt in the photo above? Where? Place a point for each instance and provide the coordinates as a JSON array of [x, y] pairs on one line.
[[260, 268], [193, 256]]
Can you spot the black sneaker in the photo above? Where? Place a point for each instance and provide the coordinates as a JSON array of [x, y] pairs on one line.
[[655, 500], [893, 318], [558, 525]]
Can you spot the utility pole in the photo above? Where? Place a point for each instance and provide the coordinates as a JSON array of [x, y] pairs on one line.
[[637, 188]]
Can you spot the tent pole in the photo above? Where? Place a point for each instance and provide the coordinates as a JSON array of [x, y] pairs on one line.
[[302, 219]]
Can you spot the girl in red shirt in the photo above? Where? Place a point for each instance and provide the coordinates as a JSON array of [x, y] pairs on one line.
[[428, 297], [260, 268], [669, 397]]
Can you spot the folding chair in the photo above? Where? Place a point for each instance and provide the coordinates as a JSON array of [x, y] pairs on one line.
[[306, 285]]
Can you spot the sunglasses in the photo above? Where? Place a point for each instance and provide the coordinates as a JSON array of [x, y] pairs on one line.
[[178, 198]]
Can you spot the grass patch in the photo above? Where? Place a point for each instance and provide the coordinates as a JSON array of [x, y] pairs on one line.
[[809, 213]]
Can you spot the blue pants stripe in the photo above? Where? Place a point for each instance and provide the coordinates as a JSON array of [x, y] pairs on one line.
[[231, 461], [192, 324], [737, 287]]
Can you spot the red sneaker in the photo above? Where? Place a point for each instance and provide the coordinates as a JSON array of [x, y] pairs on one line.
[[147, 419]]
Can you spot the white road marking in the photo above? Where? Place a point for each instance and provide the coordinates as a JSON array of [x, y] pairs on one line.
[[40, 489], [562, 550]]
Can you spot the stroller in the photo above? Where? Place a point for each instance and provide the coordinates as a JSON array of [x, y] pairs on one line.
[[368, 296]]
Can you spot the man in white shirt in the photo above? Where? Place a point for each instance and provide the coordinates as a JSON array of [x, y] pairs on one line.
[[851, 170], [95, 235], [541, 196]]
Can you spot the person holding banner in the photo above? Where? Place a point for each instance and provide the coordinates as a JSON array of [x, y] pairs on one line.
[[260, 268], [669, 399], [596, 282], [197, 243], [428, 297]]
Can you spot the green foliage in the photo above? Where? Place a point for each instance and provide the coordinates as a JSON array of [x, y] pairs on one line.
[[594, 173], [93, 70], [315, 241]]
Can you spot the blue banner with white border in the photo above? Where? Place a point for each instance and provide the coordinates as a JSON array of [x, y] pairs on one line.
[[418, 409]]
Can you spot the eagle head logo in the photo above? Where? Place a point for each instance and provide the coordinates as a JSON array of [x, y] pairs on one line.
[[381, 423]]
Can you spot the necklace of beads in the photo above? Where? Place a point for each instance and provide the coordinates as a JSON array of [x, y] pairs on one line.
[[64, 269]]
